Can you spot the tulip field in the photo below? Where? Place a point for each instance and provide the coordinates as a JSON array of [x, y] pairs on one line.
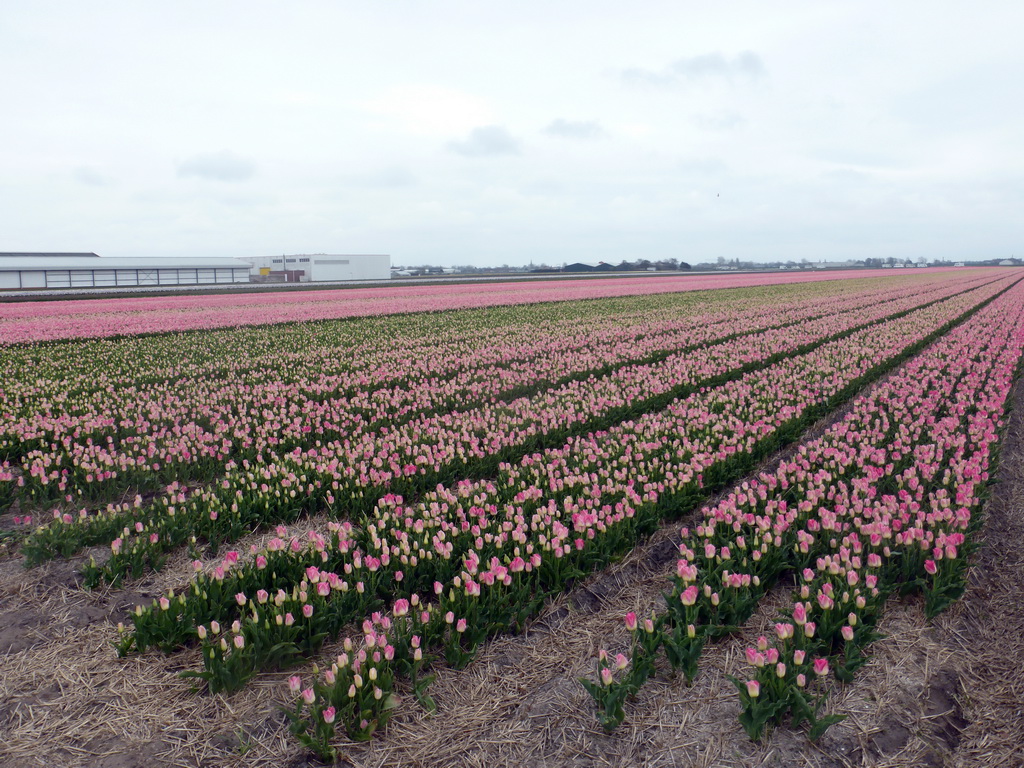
[[380, 528]]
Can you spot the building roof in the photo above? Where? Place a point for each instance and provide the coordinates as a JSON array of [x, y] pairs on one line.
[[37, 261], [49, 255]]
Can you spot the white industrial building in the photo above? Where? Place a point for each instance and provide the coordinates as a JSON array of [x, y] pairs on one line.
[[87, 270], [321, 267]]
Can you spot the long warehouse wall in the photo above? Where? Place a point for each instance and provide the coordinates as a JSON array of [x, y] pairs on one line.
[[90, 278]]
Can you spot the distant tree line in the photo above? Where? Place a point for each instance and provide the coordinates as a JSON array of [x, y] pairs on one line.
[[640, 265], [675, 265]]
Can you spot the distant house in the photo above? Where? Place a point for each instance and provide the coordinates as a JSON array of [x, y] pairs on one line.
[[580, 266], [1008, 263]]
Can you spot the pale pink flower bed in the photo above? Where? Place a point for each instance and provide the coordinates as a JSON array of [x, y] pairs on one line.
[[29, 321], [189, 431]]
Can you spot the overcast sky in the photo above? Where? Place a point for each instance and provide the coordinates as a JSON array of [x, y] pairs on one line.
[[504, 132]]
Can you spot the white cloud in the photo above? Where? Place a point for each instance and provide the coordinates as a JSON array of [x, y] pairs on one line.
[[90, 176], [706, 67], [471, 131], [723, 120], [575, 129], [217, 166], [485, 141], [746, 64], [430, 109]]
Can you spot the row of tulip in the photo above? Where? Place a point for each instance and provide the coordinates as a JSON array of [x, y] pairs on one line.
[[113, 440], [350, 475], [561, 513], [93, 528], [793, 683], [380, 345], [8, 484], [382, 348], [884, 500], [96, 391], [179, 409], [40, 321], [910, 529]]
